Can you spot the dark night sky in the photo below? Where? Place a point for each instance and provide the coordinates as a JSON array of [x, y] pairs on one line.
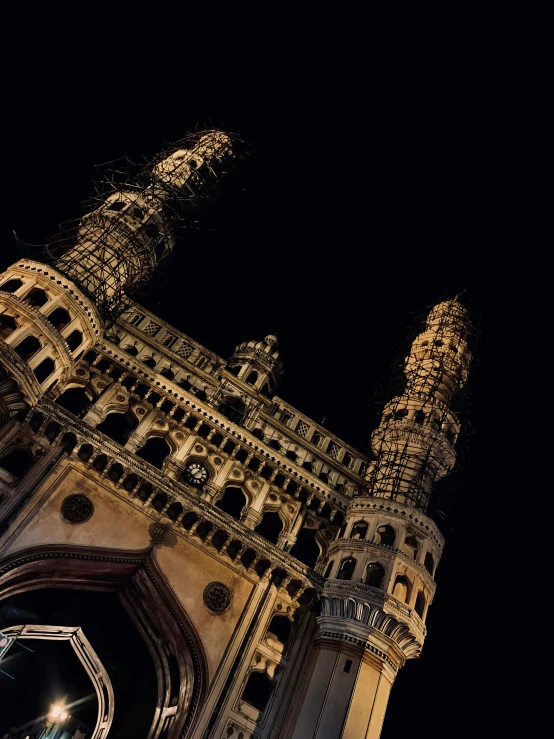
[[372, 191]]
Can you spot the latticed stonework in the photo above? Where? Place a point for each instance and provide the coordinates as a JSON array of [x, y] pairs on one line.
[[289, 574]]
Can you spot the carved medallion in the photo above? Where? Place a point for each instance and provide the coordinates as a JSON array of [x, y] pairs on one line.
[[120, 398], [158, 534], [217, 597], [198, 448], [217, 460], [77, 508]]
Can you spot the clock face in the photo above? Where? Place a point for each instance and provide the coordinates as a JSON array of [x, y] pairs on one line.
[[196, 473]]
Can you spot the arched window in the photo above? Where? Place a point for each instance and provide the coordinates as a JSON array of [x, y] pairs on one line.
[[235, 370], [258, 433], [420, 604], [307, 465], [385, 535], [401, 588], [291, 455], [26, 348], [11, 286], [274, 444], [359, 530], [324, 477], [419, 416], [7, 325], [149, 362], [36, 297], [154, 451], [17, 462], [257, 691], [252, 378], [131, 349], [270, 526], [410, 546], [75, 400], [429, 563], [347, 459], [329, 568], [305, 549], [44, 369], [374, 574], [280, 629], [166, 372], [74, 340], [346, 569], [118, 426], [232, 502], [59, 318]]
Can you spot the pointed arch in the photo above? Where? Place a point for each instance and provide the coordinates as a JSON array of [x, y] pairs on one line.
[[180, 661]]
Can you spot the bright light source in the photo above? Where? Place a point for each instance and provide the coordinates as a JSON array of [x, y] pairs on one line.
[[55, 711], [63, 715]]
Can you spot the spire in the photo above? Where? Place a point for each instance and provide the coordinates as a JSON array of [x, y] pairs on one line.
[[414, 443]]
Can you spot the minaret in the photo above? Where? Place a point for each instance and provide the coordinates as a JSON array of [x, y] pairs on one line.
[[381, 570], [257, 363], [53, 309]]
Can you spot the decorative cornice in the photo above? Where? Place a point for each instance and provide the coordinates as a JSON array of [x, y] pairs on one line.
[[375, 608]]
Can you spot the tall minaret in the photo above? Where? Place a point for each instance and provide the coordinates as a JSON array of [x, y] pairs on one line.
[[381, 570], [53, 309]]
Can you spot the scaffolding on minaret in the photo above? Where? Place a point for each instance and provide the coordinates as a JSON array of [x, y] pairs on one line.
[[135, 218], [413, 446]]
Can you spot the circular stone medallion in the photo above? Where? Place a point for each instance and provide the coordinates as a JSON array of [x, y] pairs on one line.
[[77, 508], [217, 597]]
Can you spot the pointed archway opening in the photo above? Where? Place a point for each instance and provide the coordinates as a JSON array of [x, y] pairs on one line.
[[144, 641]]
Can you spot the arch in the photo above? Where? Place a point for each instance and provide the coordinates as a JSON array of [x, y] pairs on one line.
[[27, 347], [11, 286], [420, 604], [8, 325], [76, 400], [257, 690], [329, 568], [52, 430], [252, 378], [258, 433], [306, 549], [167, 372], [134, 579], [232, 502], [274, 444], [280, 628], [429, 563], [270, 526], [149, 362], [36, 297], [385, 535], [88, 658], [374, 574], [346, 569], [235, 370], [359, 530], [410, 546], [17, 461], [401, 588], [118, 426], [131, 349], [74, 340], [155, 451], [44, 369], [59, 318]]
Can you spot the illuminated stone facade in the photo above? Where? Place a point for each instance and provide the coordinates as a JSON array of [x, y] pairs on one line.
[[290, 575]]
